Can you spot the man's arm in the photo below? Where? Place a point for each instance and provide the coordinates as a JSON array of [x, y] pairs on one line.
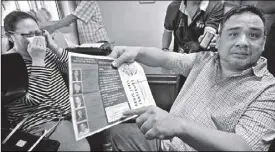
[[254, 131], [155, 122], [59, 24], [170, 23], [154, 57], [206, 139], [166, 39], [214, 17]]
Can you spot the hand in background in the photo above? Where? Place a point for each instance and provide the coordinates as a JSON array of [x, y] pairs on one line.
[[37, 50]]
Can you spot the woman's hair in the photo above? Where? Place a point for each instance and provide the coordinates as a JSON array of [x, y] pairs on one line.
[[13, 18], [240, 10]]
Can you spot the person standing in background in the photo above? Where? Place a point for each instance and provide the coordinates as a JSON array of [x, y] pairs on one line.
[[268, 8], [189, 20], [89, 23]]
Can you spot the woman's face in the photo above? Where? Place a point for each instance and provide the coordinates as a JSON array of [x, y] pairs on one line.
[[25, 26]]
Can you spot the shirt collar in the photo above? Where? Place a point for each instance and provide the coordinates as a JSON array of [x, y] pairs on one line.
[[259, 69]]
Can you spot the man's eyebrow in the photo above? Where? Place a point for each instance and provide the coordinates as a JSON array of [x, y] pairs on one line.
[[233, 28], [256, 29]]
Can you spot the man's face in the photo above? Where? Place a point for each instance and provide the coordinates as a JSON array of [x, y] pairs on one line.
[[83, 126], [76, 73], [77, 87], [242, 40], [78, 101], [79, 113]]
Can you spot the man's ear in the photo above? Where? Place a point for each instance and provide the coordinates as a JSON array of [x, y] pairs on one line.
[[218, 42], [9, 37], [264, 43]]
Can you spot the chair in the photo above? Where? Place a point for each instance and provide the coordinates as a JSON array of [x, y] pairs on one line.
[[272, 146], [14, 80]]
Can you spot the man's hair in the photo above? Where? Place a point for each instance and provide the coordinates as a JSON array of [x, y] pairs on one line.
[[241, 10], [13, 18]]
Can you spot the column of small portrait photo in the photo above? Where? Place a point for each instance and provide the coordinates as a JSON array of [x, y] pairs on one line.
[[80, 114], [77, 88], [77, 75], [79, 101], [83, 128]]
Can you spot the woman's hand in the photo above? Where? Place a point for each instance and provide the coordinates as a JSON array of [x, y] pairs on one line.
[[50, 42], [37, 50]]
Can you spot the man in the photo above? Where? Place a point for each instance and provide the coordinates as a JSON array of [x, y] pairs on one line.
[[89, 22], [83, 129], [227, 102], [78, 101], [76, 75], [189, 21], [77, 88], [80, 115]]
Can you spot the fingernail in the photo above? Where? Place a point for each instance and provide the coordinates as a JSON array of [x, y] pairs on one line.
[[114, 64]]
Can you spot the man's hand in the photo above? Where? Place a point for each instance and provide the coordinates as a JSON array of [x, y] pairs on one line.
[[49, 28], [37, 50], [155, 122], [50, 42], [124, 54]]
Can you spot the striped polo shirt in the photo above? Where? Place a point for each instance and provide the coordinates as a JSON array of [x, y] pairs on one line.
[[47, 97]]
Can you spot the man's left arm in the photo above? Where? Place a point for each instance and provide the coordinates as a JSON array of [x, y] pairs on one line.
[[214, 17], [156, 123], [254, 131], [257, 124]]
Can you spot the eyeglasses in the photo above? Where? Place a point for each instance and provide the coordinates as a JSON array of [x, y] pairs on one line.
[[31, 34]]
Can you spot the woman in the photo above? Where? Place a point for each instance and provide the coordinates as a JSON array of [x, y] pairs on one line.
[[47, 99]]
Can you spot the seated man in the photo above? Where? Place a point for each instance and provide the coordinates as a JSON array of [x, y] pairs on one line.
[[47, 98], [227, 102], [189, 20]]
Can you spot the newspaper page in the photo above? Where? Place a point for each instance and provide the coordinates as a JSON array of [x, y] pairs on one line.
[[99, 94]]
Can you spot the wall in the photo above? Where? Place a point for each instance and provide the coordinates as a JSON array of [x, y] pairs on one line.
[[131, 23], [9, 6]]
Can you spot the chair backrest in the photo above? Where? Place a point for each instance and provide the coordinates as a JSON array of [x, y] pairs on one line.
[[272, 146], [14, 77]]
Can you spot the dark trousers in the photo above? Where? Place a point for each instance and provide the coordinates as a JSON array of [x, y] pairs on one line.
[[128, 137]]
